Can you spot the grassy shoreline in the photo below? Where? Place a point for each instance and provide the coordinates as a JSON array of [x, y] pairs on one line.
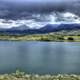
[[22, 76], [41, 37], [63, 36]]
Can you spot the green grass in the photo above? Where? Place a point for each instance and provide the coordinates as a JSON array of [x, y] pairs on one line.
[[43, 37], [64, 36]]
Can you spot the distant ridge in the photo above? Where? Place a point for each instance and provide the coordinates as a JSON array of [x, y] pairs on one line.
[[46, 29]]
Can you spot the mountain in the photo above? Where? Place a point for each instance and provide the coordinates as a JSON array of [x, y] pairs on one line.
[[46, 29], [65, 26], [73, 26], [21, 28]]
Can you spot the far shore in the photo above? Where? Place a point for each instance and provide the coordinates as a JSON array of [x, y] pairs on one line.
[[60, 36], [41, 37]]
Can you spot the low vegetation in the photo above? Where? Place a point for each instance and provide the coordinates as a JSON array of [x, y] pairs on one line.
[[22, 76], [55, 36]]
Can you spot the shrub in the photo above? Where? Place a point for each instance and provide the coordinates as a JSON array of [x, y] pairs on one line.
[[45, 39], [61, 38], [70, 38]]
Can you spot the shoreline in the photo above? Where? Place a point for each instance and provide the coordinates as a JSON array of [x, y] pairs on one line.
[[22, 76], [60, 36], [43, 37]]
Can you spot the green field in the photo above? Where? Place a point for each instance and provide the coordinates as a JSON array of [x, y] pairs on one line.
[[54, 36], [40, 37]]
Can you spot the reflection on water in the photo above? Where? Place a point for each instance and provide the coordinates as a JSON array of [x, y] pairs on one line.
[[40, 57]]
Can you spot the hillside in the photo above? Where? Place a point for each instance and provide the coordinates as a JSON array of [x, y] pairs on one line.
[[67, 35]]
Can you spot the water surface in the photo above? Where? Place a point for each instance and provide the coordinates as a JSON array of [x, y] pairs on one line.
[[40, 57]]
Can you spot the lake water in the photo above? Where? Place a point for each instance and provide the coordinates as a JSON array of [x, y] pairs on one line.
[[40, 57]]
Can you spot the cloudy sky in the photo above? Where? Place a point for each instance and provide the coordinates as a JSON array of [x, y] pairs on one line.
[[37, 13], [18, 8], [45, 4]]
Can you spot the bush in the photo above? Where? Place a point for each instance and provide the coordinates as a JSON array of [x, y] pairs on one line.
[[61, 38], [19, 74], [70, 38], [45, 39]]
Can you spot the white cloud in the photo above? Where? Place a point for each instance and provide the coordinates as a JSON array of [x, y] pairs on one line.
[[40, 20]]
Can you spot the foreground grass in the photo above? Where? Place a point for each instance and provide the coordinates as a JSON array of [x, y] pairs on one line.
[[22, 76]]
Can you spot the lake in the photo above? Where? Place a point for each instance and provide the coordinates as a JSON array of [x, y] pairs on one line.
[[40, 57]]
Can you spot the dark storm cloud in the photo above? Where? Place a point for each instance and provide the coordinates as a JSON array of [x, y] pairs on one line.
[[22, 8]]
